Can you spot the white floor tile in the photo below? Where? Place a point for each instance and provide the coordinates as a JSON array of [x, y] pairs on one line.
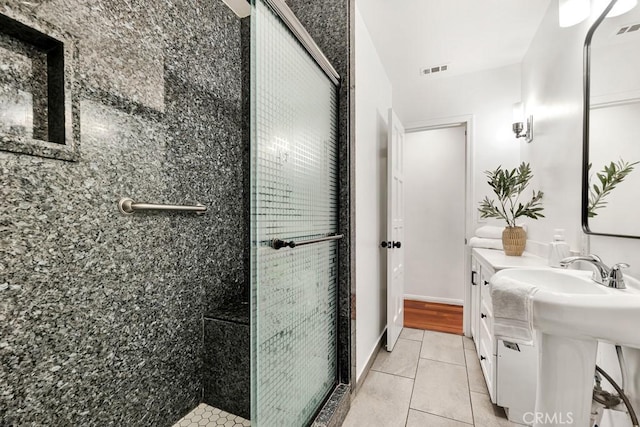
[[403, 360], [442, 347], [486, 414], [382, 401], [468, 343], [442, 389], [208, 416], [474, 371], [422, 419], [412, 334]]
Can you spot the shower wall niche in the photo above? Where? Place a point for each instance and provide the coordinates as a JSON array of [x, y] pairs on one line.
[[38, 113]]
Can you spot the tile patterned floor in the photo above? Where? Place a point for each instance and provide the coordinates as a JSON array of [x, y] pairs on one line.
[[430, 379], [208, 416]]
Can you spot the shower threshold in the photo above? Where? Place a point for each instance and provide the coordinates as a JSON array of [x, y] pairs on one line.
[[208, 416]]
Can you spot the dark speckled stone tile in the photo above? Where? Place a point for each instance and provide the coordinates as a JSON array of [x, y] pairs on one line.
[[335, 409], [101, 313], [227, 361]]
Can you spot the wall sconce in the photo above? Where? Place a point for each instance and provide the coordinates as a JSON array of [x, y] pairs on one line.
[[518, 125], [573, 12], [621, 7]]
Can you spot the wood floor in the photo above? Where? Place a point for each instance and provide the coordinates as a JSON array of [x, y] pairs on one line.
[[433, 316]]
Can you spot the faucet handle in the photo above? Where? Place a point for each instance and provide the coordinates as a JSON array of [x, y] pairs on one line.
[[620, 265], [616, 278]]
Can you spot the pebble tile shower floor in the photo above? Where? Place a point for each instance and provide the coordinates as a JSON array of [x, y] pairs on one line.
[[208, 416]]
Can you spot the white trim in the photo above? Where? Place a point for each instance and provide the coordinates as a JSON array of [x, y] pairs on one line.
[[450, 301], [614, 99], [370, 359], [241, 8], [439, 123]]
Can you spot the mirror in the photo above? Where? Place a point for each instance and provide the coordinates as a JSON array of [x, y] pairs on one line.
[[611, 158]]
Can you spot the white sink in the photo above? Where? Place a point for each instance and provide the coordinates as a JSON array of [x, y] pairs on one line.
[[556, 281], [571, 313]]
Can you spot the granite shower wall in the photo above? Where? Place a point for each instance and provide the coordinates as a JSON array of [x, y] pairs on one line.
[[101, 313]]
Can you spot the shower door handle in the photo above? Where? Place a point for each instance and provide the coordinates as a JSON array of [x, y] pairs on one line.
[[278, 244]]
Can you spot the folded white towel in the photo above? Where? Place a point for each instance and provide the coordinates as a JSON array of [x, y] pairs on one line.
[[490, 232], [512, 309], [478, 242]]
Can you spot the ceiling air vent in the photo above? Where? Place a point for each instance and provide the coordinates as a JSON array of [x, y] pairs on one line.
[[628, 29], [433, 70]]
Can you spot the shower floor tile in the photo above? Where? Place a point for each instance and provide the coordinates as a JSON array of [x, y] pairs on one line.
[[208, 416]]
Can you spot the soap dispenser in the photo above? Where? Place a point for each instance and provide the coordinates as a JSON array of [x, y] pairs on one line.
[[558, 249]]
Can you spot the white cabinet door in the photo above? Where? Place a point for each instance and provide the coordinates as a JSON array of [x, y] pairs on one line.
[[475, 301], [487, 353]]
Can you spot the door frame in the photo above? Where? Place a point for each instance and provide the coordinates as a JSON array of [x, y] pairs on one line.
[[469, 190]]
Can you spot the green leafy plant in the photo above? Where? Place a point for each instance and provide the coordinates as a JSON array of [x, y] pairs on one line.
[[608, 178], [508, 185]]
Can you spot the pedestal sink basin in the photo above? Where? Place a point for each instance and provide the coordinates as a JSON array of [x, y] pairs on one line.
[[570, 314]]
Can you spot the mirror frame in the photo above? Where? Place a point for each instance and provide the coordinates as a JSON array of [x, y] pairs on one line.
[[585, 129]]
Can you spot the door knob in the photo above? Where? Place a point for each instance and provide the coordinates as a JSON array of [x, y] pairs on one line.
[[482, 358], [390, 245], [482, 315]]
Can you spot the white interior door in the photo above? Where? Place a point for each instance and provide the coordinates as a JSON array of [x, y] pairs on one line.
[[395, 230]]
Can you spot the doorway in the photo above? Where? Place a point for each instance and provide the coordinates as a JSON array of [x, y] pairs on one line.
[[436, 182]]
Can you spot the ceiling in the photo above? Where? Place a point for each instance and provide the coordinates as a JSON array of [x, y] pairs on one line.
[[466, 35]]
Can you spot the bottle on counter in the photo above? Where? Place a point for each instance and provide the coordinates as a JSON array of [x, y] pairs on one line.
[[558, 249]]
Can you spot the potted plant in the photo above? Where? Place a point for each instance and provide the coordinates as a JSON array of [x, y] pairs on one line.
[[508, 185]]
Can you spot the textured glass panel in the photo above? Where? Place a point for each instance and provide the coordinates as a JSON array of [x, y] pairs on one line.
[[294, 197]]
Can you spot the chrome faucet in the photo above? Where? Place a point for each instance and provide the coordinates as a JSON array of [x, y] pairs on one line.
[[611, 277]]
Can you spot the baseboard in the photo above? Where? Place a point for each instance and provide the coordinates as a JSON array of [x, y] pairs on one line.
[[372, 357], [450, 301]]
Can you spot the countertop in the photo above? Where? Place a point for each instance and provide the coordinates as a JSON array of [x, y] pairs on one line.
[[499, 261]]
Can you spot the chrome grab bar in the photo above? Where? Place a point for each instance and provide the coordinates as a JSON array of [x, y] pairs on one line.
[[128, 206], [277, 243]]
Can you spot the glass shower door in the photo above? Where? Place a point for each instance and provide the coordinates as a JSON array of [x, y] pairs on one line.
[[293, 198]]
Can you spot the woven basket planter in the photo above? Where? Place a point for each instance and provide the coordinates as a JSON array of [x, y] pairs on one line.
[[514, 239]]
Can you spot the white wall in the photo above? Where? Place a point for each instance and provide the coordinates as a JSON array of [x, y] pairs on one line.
[[488, 96], [434, 182], [552, 91], [373, 99]]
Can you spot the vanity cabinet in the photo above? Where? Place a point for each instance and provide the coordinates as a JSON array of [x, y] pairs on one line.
[[481, 318], [509, 369]]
